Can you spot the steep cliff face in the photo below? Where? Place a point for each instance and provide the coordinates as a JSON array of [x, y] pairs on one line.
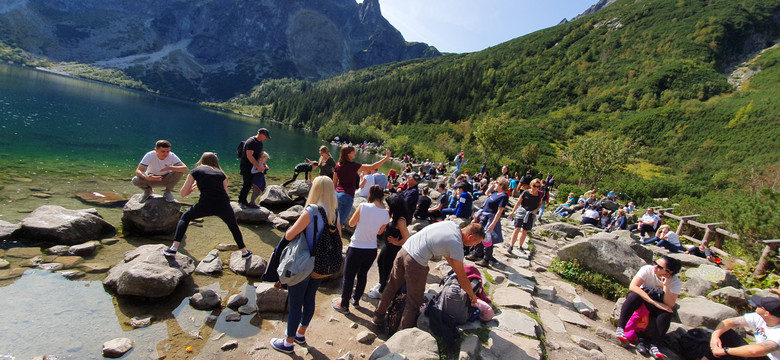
[[209, 49]]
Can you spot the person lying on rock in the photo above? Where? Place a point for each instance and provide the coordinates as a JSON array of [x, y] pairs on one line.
[[657, 287], [725, 343]]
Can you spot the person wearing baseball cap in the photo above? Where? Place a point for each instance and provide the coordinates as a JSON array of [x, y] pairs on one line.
[[253, 149], [765, 322]]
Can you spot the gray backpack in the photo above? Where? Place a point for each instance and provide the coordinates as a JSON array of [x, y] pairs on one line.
[[296, 262]]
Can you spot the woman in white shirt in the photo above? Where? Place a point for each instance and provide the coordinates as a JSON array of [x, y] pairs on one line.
[[666, 238], [657, 287], [369, 220]]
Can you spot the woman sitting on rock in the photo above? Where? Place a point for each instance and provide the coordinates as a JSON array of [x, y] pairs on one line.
[[301, 295], [619, 223], [212, 182], [657, 287]]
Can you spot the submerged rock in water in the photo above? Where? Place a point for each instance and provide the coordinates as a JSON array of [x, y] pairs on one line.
[[6, 229], [146, 272], [153, 216], [59, 225], [104, 198]]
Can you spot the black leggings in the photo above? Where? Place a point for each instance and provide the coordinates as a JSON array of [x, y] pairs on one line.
[[385, 263], [356, 265], [295, 176], [656, 329], [199, 210]]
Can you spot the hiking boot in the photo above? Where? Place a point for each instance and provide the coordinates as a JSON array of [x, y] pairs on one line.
[[641, 347], [147, 194], [471, 257], [336, 304], [248, 254], [654, 351], [621, 335], [169, 196], [169, 252], [483, 263], [278, 345]]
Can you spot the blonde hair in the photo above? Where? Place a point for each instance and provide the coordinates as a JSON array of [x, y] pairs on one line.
[[664, 226], [324, 149], [209, 159], [323, 193], [265, 155], [621, 212], [504, 182], [535, 181]]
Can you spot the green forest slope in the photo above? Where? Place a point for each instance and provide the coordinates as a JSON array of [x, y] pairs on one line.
[[651, 76]]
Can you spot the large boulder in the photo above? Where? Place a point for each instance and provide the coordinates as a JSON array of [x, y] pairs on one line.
[[730, 295], [270, 299], [697, 287], [6, 229], [689, 260], [698, 311], [249, 215], [605, 254], [206, 300], [292, 213], [146, 272], [413, 343], [566, 228], [153, 216], [59, 225], [299, 188], [716, 275], [254, 266], [275, 195]]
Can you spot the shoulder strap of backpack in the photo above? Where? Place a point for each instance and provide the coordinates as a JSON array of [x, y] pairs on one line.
[[314, 235]]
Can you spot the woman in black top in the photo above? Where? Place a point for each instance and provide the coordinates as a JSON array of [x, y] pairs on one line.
[[396, 234], [208, 177], [525, 211]]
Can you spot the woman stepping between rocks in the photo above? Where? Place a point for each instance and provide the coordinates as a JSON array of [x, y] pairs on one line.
[[212, 183]]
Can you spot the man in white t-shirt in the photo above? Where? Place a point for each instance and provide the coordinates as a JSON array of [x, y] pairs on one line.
[[366, 182], [648, 223], [159, 168], [765, 323], [445, 239]]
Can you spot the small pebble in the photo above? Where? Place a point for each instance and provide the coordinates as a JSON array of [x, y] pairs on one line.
[[329, 342], [230, 345]]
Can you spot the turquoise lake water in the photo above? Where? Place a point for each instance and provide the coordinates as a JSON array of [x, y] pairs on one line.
[[49, 121]]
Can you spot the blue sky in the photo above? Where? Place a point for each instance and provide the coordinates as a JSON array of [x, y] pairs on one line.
[[473, 25]]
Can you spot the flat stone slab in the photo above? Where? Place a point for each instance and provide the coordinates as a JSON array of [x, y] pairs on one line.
[[23, 252], [565, 288], [521, 282], [552, 322], [572, 317], [515, 322], [513, 297], [503, 345]]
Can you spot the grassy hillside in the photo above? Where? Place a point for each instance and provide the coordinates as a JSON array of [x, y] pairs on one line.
[[650, 73]]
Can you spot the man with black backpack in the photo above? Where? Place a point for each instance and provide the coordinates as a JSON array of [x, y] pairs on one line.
[[411, 266], [252, 150]]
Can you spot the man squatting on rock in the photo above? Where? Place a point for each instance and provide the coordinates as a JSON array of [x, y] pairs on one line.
[[159, 168]]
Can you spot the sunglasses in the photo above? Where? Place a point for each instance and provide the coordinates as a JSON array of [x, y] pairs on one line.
[[657, 266], [537, 186]]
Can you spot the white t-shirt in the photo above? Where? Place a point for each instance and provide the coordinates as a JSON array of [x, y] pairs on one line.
[[590, 213], [154, 164], [440, 239], [673, 238], [763, 333], [364, 190], [371, 219], [650, 218], [647, 273]]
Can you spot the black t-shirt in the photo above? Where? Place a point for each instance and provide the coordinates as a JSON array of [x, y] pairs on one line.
[[422, 207], [529, 201], [210, 183], [251, 144], [526, 179]]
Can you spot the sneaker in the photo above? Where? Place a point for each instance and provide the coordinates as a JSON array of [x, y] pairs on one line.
[[641, 347], [354, 302], [248, 254], [253, 206], [471, 257], [336, 304], [168, 196], [147, 194], [483, 263], [301, 340], [375, 294], [654, 351], [621, 335], [520, 250], [242, 205], [378, 321], [169, 252], [278, 345], [509, 250]]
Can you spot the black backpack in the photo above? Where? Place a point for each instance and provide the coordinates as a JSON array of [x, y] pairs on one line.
[[327, 249], [240, 150]]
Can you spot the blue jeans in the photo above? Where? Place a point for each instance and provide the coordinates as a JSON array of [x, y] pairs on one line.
[[345, 206], [650, 241], [301, 298], [541, 210], [668, 246]]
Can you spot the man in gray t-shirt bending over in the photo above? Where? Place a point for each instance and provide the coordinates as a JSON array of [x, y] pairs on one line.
[[411, 266]]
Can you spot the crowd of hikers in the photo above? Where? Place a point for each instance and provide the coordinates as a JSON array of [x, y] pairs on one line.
[[311, 249]]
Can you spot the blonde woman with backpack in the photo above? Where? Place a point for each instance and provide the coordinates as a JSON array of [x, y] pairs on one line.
[[301, 295]]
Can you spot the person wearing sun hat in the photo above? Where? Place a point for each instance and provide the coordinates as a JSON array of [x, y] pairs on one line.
[[725, 343]]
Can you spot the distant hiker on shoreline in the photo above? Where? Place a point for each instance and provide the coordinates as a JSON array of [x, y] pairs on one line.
[[212, 183], [252, 150], [159, 168]]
